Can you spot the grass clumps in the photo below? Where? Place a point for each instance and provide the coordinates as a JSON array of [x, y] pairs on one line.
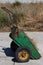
[[3, 19]]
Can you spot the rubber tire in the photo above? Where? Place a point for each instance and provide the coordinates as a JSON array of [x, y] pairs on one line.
[[16, 54], [13, 46]]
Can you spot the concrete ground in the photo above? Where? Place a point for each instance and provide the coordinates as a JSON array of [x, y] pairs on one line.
[[7, 56]]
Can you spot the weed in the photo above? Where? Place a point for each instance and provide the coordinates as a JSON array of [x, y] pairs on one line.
[[17, 3]]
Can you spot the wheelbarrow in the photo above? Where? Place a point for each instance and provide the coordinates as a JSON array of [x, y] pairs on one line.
[[23, 47], [21, 44]]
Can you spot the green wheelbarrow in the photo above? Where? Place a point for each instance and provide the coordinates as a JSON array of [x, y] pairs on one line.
[[21, 45], [23, 48]]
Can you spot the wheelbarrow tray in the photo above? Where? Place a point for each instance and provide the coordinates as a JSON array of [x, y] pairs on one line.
[[23, 41]]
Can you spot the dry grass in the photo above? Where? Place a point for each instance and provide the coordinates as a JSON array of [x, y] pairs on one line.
[[32, 19]]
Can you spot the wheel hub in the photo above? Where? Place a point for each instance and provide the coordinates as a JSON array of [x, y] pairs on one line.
[[23, 54]]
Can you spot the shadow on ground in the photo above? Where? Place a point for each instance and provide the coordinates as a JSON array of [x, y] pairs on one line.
[[8, 52]]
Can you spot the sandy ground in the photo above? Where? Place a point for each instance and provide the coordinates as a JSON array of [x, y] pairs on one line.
[[7, 56]]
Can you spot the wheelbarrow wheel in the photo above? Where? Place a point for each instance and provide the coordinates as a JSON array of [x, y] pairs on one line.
[[13, 46], [22, 54]]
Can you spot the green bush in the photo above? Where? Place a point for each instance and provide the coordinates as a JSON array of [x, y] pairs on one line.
[[17, 3], [4, 21]]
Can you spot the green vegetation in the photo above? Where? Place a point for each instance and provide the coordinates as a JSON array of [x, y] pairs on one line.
[[17, 3], [3, 19]]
